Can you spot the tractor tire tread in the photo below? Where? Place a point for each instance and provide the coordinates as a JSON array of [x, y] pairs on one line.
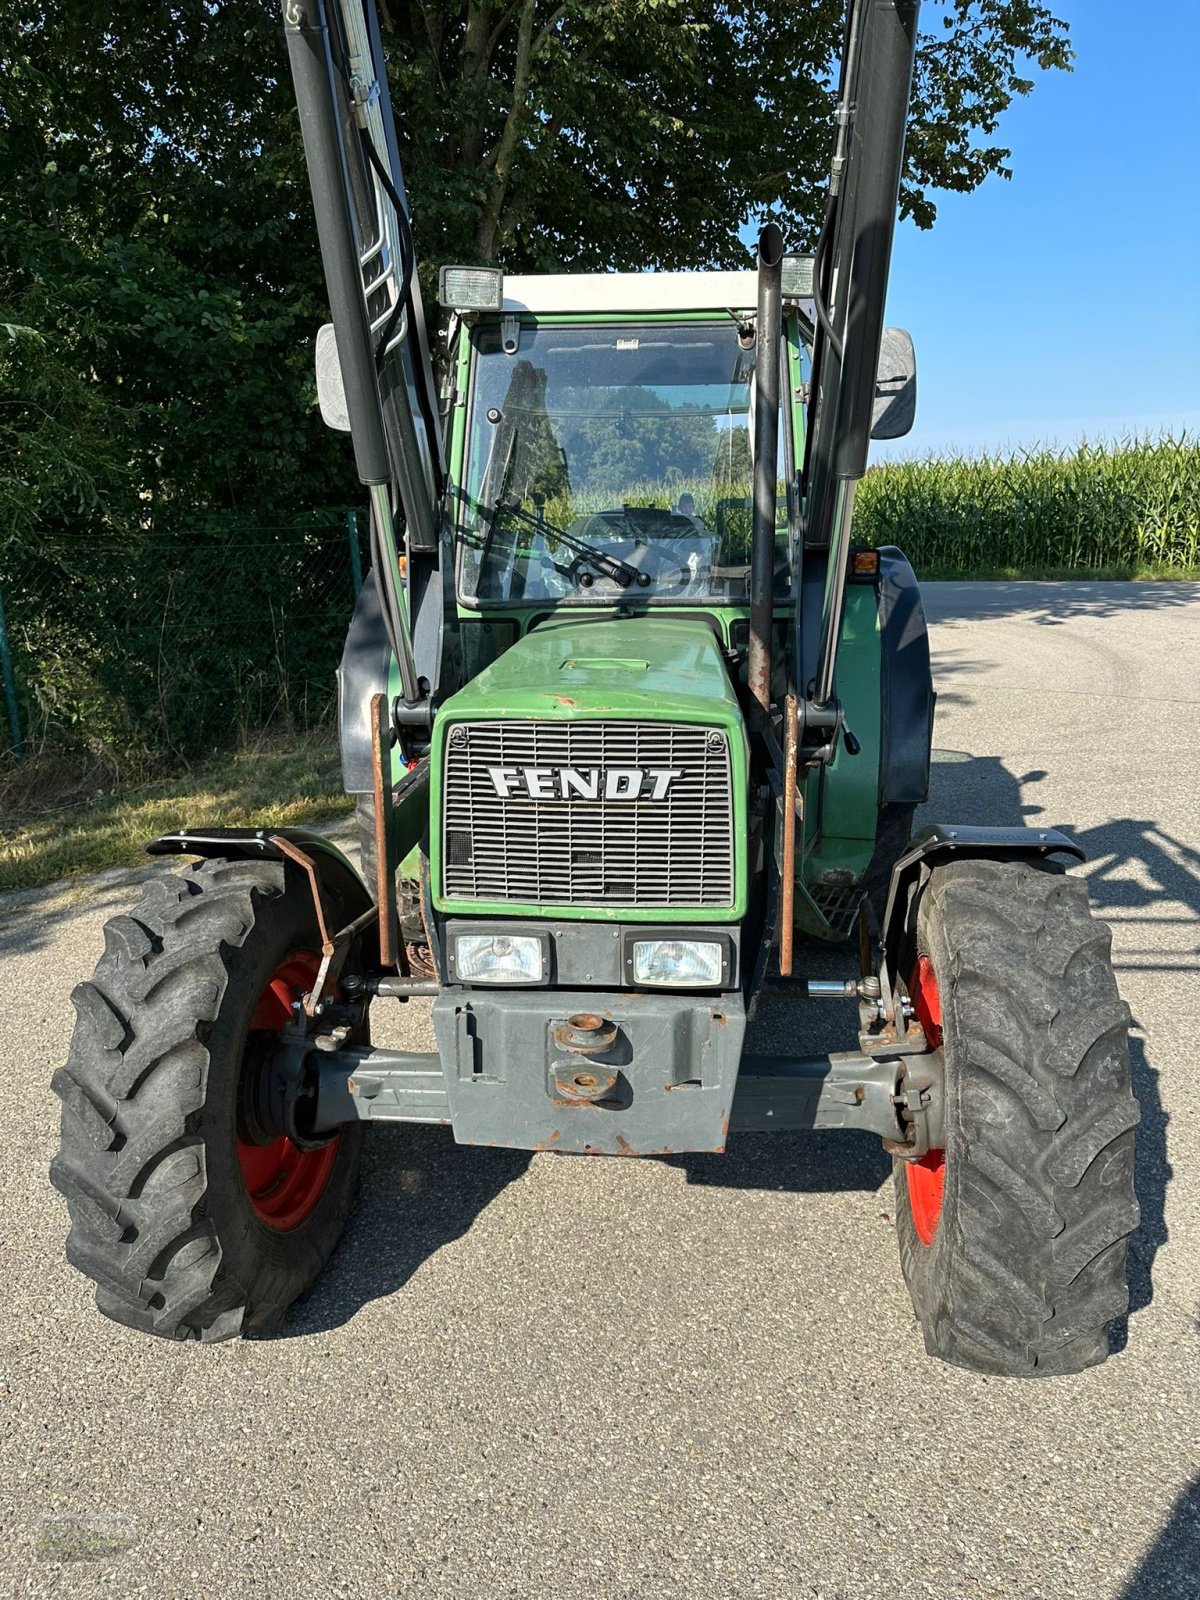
[[132, 1163], [1027, 1267]]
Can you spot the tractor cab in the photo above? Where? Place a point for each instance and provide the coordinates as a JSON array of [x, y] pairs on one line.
[[602, 457]]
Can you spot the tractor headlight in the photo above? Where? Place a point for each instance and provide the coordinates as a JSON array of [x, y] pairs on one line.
[[499, 958], [678, 963]]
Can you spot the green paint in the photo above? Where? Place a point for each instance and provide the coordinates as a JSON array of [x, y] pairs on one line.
[[841, 800], [638, 669], [795, 382], [849, 799]]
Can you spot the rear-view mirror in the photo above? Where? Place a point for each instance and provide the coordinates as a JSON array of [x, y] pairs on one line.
[[895, 386]]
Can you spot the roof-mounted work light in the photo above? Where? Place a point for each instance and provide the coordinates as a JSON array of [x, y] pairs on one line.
[[471, 288], [798, 272]]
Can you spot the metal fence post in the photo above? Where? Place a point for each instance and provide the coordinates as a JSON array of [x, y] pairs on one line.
[[10, 687], [355, 558]]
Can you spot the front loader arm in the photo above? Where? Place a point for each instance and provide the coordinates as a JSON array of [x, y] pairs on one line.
[[365, 235], [851, 279]]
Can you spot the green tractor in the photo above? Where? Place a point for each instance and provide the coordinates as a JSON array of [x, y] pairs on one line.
[[630, 722]]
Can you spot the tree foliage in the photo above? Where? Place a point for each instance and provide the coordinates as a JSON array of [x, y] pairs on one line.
[[156, 233], [552, 134]]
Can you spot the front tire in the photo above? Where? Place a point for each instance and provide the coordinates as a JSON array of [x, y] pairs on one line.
[[1013, 1239], [193, 1223]]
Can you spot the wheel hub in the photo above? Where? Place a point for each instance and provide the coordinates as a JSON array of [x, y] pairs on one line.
[[284, 1167]]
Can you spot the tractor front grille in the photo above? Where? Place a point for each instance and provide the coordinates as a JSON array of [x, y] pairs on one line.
[[520, 823]]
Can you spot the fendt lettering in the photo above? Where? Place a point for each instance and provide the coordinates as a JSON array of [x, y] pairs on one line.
[[660, 644], [584, 783]]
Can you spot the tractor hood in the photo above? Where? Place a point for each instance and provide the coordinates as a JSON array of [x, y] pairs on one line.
[[640, 668], [597, 769]]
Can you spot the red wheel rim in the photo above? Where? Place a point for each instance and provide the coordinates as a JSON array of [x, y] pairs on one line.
[[284, 1182], [926, 1177]]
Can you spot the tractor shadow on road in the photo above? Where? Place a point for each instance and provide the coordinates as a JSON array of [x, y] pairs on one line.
[[1051, 604], [418, 1194], [1168, 1569], [800, 1163]]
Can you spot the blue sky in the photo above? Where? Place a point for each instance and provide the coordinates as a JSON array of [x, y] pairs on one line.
[[1067, 301]]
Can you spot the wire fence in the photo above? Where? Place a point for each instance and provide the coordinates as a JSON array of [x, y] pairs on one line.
[[155, 646]]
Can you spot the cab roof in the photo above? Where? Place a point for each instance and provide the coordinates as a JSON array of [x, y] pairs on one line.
[[603, 292]]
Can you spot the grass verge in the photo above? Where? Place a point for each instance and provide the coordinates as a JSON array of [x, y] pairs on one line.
[[293, 782]]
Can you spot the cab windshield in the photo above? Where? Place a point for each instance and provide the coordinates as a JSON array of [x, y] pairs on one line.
[[609, 462]]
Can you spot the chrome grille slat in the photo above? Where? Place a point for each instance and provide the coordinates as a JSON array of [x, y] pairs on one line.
[[650, 854]]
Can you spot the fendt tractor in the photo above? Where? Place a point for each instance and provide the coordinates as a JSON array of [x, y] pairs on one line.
[[631, 723]]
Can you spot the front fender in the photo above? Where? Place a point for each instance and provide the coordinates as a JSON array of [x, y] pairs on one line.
[[942, 842], [337, 875]]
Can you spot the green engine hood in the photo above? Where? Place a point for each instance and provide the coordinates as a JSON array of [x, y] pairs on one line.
[[655, 669], [639, 669]]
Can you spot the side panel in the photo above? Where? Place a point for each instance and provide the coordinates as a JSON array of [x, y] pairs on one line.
[[885, 683], [846, 792], [365, 670]]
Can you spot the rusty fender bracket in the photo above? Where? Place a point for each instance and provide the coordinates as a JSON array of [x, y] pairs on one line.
[[344, 908]]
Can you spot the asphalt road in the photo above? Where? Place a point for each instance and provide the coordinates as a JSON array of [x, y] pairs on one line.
[[670, 1378]]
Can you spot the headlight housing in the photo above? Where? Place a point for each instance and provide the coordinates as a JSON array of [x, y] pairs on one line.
[[678, 963], [499, 958]]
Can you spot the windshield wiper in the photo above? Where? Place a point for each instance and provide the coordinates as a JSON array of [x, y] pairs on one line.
[[621, 572]]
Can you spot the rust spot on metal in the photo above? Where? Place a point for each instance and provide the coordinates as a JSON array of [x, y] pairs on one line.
[[564, 700], [549, 1141], [574, 1085], [584, 1034]]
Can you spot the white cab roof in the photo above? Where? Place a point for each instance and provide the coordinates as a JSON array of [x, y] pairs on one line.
[[598, 292]]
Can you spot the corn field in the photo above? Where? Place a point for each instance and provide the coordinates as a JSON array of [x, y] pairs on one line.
[[1123, 508]]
